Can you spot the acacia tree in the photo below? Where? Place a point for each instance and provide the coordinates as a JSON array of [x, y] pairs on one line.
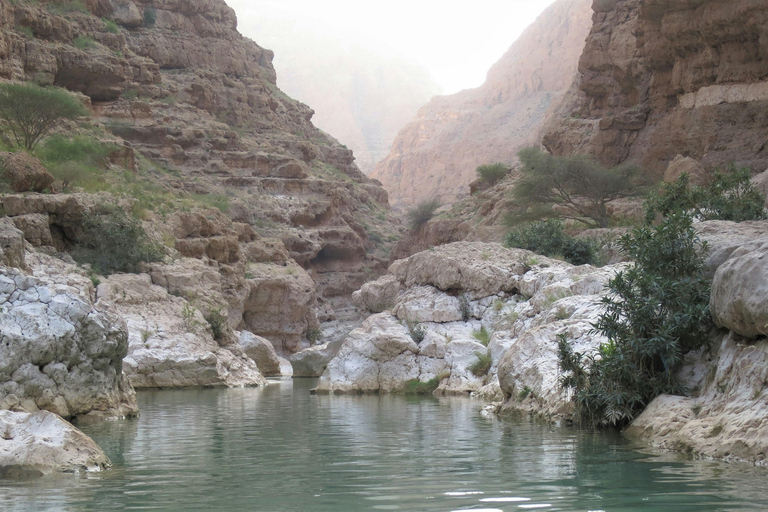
[[30, 111], [572, 187]]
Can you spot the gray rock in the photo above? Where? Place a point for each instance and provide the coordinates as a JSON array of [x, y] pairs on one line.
[[262, 352], [311, 362], [36, 444]]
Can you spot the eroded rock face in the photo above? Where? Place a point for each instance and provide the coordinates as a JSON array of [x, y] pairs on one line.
[[24, 173], [262, 352], [661, 79], [36, 444], [58, 352], [435, 156], [457, 295], [727, 416], [170, 342]]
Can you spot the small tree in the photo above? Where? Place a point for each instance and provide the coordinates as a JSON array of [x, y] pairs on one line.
[[31, 111], [574, 187], [422, 213], [492, 173]]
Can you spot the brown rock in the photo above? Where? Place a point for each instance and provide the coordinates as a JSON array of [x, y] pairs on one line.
[[689, 166], [24, 173]]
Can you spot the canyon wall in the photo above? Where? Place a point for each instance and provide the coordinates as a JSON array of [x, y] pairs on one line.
[[661, 79], [435, 156]]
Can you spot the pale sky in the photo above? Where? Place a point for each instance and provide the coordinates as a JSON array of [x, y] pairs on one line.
[[457, 41]]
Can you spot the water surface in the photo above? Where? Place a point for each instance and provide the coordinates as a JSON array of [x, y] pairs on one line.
[[281, 449]]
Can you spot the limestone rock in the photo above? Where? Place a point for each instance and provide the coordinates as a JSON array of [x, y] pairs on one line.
[[682, 164], [427, 304], [739, 297], [376, 296], [262, 352], [36, 444], [312, 361], [727, 416], [724, 237], [11, 244], [170, 342], [24, 173], [58, 352]]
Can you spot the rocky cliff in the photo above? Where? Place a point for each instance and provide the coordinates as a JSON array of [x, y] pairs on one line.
[[196, 120], [437, 153], [661, 79]]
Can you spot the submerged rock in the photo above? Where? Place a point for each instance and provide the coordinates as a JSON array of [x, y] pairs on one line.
[[36, 444]]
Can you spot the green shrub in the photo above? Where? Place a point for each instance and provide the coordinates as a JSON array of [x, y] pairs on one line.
[[114, 242], [482, 335], [483, 364], [313, 334], [730, 195], [150, 17], [547, 237], [464, 307], [64, 8], [416, 387], [657, 310], [218, 323], [492, 173], [110, 26], [83, 42], [83, 149], [31, 111], [422, 213], [416, 331]]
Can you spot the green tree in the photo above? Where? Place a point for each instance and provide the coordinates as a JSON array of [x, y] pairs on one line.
[[492, 173], [422, 213], [657, 310], [572, 187], [548, 237], [29, 111]]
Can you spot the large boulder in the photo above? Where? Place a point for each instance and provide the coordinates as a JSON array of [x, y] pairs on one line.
[[312, 361], [36, 444], [724, 237], [262, 352], [11, 244], [58, 352], [170, 343], [24, 173], [739, 297]]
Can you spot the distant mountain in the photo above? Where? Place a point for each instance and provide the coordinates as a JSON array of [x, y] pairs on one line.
[[436, 154], [362, 93]]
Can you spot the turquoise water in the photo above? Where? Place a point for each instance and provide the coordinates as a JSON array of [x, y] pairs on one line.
[[282, 449]]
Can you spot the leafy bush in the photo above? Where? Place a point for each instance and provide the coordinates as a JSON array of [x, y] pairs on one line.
[[416, 387], [548, 238], [115, 242], [422, 213], [730, 195], [313, 334], [417, 331], [30, 111], [579, 187], [110, 26], [492, 173], [64, 8], [150, 17], [83, 149], [482, 335], [483, 364], [83, 42], [657, 310], [218, 323]]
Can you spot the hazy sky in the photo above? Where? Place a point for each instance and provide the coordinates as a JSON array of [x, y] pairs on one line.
[[457, 41]]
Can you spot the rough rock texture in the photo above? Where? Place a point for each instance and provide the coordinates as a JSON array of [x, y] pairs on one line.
[[451, 292], [11, 244], [724, 237], [24, 173], [189, 95], [436, 154], [57, 351], [727, 416], [312, 361], [170, 342], [35, 444], [262, 352], [661, 79]]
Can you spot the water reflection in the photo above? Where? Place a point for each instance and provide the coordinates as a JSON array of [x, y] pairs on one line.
[[282, 449]]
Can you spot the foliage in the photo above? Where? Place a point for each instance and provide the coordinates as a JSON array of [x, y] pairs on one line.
[[313, 334], [83, 149], [466, 312], [483, 364], [416, 387], [110, 26], [657, 310], [83, 42], [114, 242], [730, 195], [150, 17], [64, 8], [417, 331], [573, 187], [547, 237], [218, 323], [29, 111], [492, 173], [422, 212], [482, 335]]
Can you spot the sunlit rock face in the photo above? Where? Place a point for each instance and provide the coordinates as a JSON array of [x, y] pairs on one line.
[[436, 154], [661, 79], [472, 301]]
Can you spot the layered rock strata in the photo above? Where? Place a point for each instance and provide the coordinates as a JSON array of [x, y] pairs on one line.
[[661, 79], [435, 155]]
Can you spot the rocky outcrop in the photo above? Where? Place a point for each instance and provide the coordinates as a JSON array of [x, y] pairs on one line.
[[724, 415], [435, 156], [262, 352], [57, 351], [171, 344], [661, 79], [36, 444], [438, 306], [24, 173]]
